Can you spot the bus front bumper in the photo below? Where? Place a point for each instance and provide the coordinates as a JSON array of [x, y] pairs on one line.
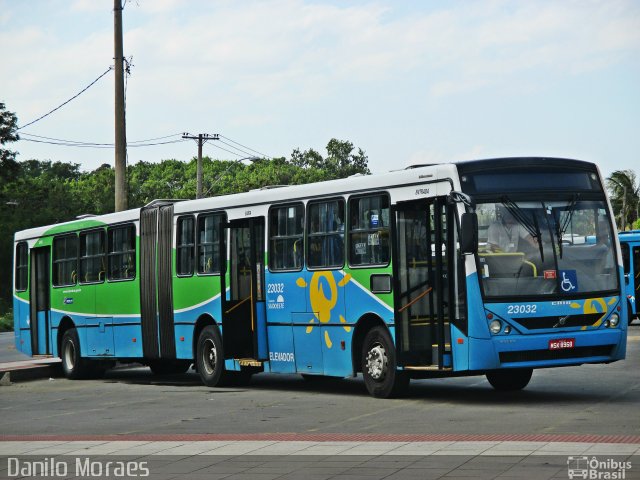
[[540, 351]]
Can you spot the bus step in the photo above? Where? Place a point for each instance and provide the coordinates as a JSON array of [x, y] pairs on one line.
[[427, 368], [37, 357], [248, 362]]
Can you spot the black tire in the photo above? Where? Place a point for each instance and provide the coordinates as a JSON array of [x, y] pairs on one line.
[[509, 380], [381, 377], [210, 358], [73, 365], [169, 367]]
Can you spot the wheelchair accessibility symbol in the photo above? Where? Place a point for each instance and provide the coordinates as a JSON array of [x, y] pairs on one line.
[[569, 281]]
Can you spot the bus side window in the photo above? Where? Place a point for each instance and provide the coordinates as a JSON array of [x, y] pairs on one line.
[[92, 254], [624, 247], [122, 253], [209, 244], [369, 230], [286, 237], [325, 234], [22, 267], [65, 260], [185, 246]]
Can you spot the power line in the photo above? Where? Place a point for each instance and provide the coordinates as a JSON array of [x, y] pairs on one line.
[[228, 151], [64, 103], [244, 146], [83, 142], [97, 145], [236, 148]]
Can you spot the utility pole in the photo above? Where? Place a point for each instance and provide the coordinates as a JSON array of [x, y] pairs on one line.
[[120, 126], [201, 138]]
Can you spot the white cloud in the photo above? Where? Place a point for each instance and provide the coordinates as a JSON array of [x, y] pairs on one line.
[[255, 64]]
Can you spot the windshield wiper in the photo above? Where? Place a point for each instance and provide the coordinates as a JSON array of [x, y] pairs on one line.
[[531, 226], [561, 228]]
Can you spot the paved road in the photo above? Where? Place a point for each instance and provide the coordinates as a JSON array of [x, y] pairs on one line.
[[590, 399], [8, 352]]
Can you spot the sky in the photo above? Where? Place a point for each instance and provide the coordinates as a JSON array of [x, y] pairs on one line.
[[407, 81]]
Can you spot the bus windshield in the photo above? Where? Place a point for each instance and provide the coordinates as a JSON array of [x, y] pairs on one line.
[[554, 248]]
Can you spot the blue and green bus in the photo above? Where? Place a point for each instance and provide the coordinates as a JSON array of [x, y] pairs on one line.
[[630, 247], [468, 268]]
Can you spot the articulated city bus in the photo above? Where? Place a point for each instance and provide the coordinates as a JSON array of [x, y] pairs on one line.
[[630, 246], [469, 268]]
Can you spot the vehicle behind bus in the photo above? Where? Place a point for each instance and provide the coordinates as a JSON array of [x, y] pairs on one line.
[[630, 247]]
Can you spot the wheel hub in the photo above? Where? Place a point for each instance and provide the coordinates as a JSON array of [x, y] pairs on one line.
[[377, 362], [69, 355], [209, 356]]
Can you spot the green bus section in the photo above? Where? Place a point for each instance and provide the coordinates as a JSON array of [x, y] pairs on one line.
[[412, 274]]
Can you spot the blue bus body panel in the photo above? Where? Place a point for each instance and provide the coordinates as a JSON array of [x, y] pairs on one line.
[[281, 356], [22, 333], [311, 316], [261, 327], [184, 321], [534, 324], [459, 349], [632, 239]]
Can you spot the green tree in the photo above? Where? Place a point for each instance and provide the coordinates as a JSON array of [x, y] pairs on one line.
[[340, 162], [8, 134], [625, 197], [36, 193]]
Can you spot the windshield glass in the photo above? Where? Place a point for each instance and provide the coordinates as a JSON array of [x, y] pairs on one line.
[[545, 248]]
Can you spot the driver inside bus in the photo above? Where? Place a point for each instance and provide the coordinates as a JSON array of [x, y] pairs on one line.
[[506, 234]]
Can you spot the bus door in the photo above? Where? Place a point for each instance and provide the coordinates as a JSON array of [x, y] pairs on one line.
[[422, 250], [156, 288], [39, 300], [244, 325]]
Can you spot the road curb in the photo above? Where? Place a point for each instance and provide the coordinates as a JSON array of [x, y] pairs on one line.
[[23, 373]]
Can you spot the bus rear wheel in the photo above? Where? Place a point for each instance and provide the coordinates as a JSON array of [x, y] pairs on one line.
[[510, 380], [381, 377], [210, 358], [73, 365]]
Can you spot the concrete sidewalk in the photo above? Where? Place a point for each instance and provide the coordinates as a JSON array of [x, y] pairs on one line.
[[319, 460], [29, 369]]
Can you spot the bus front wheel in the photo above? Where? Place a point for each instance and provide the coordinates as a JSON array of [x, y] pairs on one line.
[[510, 379], [381, 377], [210, 358]]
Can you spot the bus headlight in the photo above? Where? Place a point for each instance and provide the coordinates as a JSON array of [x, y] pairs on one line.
[[495, 327], [614, 319]]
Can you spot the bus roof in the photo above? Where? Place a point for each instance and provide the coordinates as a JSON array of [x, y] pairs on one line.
[[629, 236], [408, 177]]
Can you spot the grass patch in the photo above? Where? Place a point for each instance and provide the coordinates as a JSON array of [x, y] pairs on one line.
[[6, 321]]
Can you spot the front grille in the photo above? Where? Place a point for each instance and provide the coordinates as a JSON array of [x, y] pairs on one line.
[[537, 355], [559, 321]]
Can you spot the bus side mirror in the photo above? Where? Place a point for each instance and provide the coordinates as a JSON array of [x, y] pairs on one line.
[[469, 233]]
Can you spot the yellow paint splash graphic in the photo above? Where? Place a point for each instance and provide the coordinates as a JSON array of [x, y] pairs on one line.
[[327, 340], [323, 303]]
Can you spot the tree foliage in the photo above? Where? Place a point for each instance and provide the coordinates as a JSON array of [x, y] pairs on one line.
[[43, 192], [625, 197], [8, 133]]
